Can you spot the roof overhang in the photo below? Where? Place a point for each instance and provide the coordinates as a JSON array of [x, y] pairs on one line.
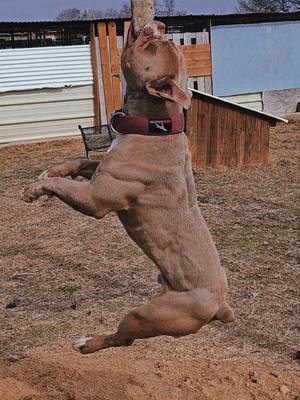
[[259, 114], [223, 19]]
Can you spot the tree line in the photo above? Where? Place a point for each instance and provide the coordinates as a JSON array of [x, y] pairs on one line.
[[168, 8], [267, 6], [162, 7]]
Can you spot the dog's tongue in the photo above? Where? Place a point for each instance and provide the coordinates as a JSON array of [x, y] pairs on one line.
[[142, 12]]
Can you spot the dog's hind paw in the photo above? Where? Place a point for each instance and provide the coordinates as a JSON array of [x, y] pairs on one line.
[[92, 343], [80, 344]]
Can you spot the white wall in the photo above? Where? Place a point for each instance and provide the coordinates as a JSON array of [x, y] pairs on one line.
[[45, 67], [250, 100], [45, 114], [251, 58], [45, 92], [280, 102]]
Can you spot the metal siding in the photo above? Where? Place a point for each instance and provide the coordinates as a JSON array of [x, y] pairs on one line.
[[45, 114], [251, 100], [45, 67], [255, 57]]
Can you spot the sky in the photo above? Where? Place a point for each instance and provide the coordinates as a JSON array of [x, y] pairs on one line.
[[39, 10]]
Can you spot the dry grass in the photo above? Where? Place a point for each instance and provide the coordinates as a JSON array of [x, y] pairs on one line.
[[75, 275]]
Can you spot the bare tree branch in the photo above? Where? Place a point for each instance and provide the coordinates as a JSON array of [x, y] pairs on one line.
[[267, 6]]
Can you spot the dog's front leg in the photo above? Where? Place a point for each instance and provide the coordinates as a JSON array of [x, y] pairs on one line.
[[78, 195], [81, 167], [97, 198]]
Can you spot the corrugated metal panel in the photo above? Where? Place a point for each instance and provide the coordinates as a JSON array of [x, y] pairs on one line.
[[45, 67], [251, 100], [42, 114]]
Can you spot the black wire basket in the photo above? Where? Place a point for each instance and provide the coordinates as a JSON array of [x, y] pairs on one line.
[[96, 138]]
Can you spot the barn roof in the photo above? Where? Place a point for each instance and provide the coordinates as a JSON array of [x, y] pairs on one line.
[[217, 100], [216, 19]]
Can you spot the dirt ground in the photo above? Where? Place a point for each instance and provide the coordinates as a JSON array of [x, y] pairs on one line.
[[68, 275]]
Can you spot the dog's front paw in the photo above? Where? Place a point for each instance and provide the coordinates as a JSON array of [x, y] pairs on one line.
[[32, 192], [54, 172], [68, 169]]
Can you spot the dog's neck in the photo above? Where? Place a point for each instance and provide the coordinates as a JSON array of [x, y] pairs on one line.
[[143, 105]]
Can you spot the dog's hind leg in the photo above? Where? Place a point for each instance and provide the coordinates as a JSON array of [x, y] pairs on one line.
[[172, 313], [224, 314]]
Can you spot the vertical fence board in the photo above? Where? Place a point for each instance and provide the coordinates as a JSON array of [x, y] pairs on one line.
[[115, 65], [215, 139], [249, 128], [105, 69], [223, 134], [240, 139], [126, 29], [207, 79], [200, 80], [202, 137], [95, 75], [206, 126], [257, 140], [192, 130], [103, 117], [233, 160], [265, 142], [231, 136]]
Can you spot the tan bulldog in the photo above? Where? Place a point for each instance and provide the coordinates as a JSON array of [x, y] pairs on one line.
[[146, 178]]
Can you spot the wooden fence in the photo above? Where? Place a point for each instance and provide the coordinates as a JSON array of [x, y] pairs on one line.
[[109, 86]]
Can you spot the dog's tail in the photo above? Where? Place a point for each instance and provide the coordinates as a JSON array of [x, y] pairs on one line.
[[225, 314]]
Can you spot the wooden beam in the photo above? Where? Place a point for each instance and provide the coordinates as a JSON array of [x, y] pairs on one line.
[[199, 71], [97, 119], [194, 48], [192, 131], [197, 56], [126, 29], [105, 69], [115, 66]]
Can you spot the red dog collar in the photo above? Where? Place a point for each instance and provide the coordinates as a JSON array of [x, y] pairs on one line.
[[122, 123]]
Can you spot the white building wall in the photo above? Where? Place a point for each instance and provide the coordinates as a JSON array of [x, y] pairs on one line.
[[45, 92], [45, 67], [250, 100], [45, 114]]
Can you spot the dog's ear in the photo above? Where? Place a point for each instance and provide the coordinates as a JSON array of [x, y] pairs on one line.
[[169, 89]]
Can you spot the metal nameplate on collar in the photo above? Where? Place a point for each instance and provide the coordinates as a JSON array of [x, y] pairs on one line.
[[160, 126]]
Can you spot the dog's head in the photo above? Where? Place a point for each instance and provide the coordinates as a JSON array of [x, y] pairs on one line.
[[153, 64]]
